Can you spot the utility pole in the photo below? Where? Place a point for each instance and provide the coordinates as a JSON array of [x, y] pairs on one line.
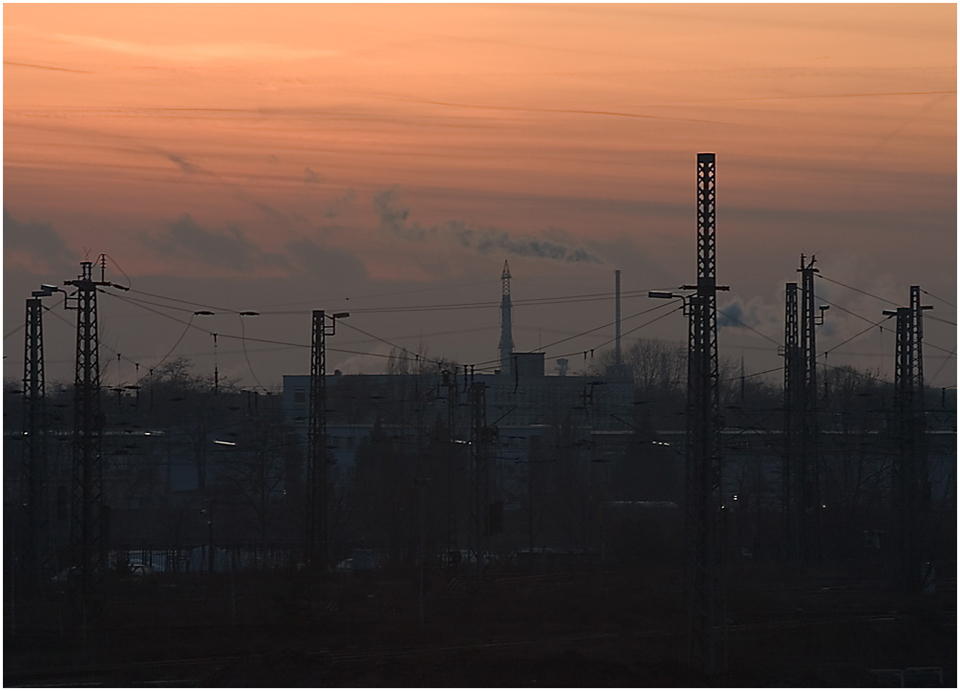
[[87, 529], [704, 504], [480, 476], [616, 351], [792, 487], [450, 382], [34, 402], [318, 481], [911, 485], [808, 476]]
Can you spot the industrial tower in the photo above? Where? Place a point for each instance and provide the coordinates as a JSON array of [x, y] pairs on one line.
[[506, 323], [703, 520], [911, 484]]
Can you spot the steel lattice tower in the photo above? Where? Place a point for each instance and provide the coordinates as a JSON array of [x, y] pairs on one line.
[[317, 480], [910, 495], [704, 519], [87, 539], [33, 412], [808, 466], [506, 323], [792, 384]]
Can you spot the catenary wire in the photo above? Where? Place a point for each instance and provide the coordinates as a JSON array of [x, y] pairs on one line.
[[856, 335], [598, 328], [747, 326], [863, 292], [946, 302]]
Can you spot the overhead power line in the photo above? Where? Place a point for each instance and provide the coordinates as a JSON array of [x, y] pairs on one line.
[[856, 335], [946, 302], [747, 326], [858, 290]]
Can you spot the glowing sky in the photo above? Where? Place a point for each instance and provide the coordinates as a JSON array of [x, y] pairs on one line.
[[276, 154]]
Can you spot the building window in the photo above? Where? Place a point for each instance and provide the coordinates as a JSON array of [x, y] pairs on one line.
[[299, 395]]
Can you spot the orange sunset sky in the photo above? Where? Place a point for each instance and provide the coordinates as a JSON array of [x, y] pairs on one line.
[[251, 156]]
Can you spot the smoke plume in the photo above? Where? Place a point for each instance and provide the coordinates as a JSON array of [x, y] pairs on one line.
[[394, 219]]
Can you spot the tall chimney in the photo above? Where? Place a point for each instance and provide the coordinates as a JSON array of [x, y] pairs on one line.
[[506, 323]]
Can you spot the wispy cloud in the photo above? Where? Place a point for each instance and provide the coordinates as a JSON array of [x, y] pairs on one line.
[[44, 67], [197, 52], [183, 164]]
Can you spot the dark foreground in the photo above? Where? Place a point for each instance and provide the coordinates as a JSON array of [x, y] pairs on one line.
[[612, 629]]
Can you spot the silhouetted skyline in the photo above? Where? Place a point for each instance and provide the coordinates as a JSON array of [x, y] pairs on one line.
[[286, 158]]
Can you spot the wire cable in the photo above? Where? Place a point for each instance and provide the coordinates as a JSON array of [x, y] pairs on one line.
[[637, 328], [942, 365], [842, 309], [747, 326], [940, 319], [169, 352], [367, 333], [863, 292], [927, 292], [246, 356], [129, 282], [826, 352], [19, 328]]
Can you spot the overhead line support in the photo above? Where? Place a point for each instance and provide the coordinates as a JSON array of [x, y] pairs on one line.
[[704, 468], [87, 535]]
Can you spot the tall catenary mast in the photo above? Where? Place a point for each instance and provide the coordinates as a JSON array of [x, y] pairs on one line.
[[704, 562], [910, 476], [808, 475], [33, 397], [506, 323], [791, 473]]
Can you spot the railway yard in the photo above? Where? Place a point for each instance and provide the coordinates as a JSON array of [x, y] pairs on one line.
[[580, 628]]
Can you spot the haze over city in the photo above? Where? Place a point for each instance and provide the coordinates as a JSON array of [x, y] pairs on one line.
[[340, 157]]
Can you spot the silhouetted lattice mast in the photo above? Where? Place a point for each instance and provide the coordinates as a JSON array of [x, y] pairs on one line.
[[808, 454], [792, 486], [911, 485], [704, 559], [33, 412], [87, 529], [317, 480]]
